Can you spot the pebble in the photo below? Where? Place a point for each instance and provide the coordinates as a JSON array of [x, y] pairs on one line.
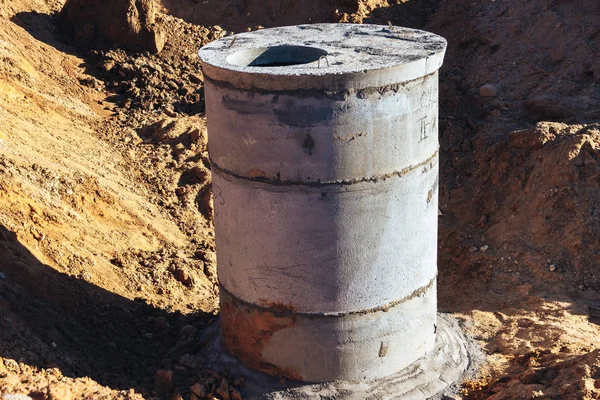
[[188, 361], [488, 90], [223, 390], [161, 323], [163, 381], [198, 390], [552, 268], [483, 249], [187, 331]]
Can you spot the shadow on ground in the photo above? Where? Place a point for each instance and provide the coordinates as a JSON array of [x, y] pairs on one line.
[[50, 319]]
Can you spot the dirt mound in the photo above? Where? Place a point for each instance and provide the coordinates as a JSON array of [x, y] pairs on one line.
[[543, 189], [539, 56], [130, 24]]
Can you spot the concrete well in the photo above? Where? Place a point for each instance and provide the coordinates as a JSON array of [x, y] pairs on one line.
[[324, 149]]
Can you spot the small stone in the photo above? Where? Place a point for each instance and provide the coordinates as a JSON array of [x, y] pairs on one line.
[[489, 90], [552, 268], [161, 323], [473, 249], [163, 381], [182, 276], [188, 361], [199, 391], [483, 249], [14, 396], [483, 221], [496, 113], [201, 173], [187, 331], [223, 390]]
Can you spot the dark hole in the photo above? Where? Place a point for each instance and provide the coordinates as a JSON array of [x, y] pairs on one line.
[[277, 56]]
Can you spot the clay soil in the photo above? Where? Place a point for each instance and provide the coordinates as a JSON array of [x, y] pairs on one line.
[[107, 264]]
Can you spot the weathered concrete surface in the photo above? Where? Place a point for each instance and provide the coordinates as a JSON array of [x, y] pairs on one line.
[[359, 56], [453, 358], [326, 348], [324, 150]]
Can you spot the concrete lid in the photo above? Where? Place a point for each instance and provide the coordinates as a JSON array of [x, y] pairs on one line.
[[323, 56]]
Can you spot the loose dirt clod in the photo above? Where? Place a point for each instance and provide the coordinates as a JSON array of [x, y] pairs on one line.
[[130, 24]]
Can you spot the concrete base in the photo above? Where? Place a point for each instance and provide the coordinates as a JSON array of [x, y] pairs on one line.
[[438, 373]]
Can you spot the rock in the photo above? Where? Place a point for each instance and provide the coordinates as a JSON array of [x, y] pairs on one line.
[[182, 276], [163, 381], [198, 136], [223, 390], [161, 323], [188, 361], [207, 206], [552, 268], [129, 23], [198, 390], [187, 331], [484, 248], [13, 396], [202, 173], [489, 90], [235, 394]]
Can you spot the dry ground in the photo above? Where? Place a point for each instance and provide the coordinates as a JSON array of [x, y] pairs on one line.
[[107, 266]]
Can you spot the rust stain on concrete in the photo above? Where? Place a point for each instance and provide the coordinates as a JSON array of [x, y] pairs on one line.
[[247, 330]]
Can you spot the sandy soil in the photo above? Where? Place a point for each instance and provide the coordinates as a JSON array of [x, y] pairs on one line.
[[107, 266]]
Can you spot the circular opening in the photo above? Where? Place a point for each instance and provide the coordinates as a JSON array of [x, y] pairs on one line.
[[276, 56]]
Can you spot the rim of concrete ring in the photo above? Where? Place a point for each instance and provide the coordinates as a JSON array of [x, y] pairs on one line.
[[322, 56]]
